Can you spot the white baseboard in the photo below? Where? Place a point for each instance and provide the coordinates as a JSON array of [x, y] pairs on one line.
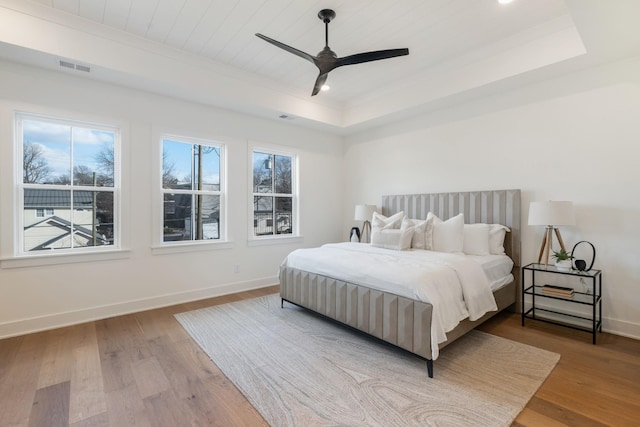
[[59, 320], [620, 327]]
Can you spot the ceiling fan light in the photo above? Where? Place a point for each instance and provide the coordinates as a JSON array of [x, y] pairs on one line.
[[325, 87]]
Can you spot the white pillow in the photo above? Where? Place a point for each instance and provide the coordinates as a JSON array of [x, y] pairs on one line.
[[419, 228], [476, 239], [497, 233], [428, 237], [382, 222], [398, 240], [448, 236]]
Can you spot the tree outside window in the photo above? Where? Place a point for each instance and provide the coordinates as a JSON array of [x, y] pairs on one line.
[[273, 196]]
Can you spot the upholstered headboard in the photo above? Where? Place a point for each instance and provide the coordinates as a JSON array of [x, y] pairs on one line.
[[491, 207]]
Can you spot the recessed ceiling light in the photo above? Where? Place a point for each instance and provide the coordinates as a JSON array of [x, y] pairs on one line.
[[325, 88], [504, 1]]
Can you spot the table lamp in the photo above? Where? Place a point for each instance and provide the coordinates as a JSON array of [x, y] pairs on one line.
[[365, 213], [551, 214]]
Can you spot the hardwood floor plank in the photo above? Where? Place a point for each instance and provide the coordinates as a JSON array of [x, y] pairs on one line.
[[154, 323], [166, 410], [118, 348], [149, 377], [51, 406], [125, 408], [119, 345], [200, 385], [100, 420], [87, 389], [57, 360], [9, 349], [20, 382], [531, 418], [592, 405], [551, 411]]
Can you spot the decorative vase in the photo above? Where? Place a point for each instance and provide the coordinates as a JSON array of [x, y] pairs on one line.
[[564, 265], [354, 236]]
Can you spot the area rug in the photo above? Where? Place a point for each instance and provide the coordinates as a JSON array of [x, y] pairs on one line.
[[299, 369]]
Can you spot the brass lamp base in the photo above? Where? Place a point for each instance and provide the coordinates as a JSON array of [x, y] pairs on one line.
[[366, 232]]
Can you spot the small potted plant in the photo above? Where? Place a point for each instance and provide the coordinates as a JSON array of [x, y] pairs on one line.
[[563, 259]]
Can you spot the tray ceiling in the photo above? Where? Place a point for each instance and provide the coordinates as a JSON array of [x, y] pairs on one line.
[[207, 51]]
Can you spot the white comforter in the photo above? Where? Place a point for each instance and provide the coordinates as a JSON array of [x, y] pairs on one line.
[[456, 286]]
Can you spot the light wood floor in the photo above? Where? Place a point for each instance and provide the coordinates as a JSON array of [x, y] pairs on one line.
[[143, 369]]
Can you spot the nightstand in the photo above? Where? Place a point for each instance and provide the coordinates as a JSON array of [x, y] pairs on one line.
[[540, 288]]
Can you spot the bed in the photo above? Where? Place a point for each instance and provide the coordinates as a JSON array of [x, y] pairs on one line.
[[390, 313]]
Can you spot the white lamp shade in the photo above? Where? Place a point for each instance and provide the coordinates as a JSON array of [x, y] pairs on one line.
[[364, 212], [551, 213]]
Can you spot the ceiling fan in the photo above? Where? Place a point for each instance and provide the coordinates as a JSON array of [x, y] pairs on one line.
[[327, 60]]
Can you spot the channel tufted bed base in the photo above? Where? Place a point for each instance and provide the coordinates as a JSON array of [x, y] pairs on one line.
[[403, 322]]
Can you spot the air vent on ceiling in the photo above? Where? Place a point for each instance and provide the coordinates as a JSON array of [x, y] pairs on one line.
[[66, 64], [72, 66]]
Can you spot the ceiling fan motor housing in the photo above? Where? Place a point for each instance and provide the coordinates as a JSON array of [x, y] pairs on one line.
[[326, 15]]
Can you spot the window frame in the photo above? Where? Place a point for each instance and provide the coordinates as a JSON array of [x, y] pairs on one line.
[[160, 246], [276, 150], [74, 254]]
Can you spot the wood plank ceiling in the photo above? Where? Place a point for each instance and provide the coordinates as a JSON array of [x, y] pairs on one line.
[[222, 31]]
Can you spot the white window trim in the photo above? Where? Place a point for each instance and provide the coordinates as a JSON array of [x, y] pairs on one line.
[[296, 235], [90, 255], [159, 246], [11, 247]]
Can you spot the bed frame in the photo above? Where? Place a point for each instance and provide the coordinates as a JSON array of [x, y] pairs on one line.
[[404, 322]]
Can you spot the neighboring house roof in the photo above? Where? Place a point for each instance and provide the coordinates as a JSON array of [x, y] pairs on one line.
[[40, 198], [65, 226]]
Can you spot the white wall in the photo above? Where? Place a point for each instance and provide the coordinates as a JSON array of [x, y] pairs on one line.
[[572, 138], [40, 297]]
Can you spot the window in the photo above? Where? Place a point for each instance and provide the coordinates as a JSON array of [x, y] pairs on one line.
[[274, 197], [44, 212], [69, 191], [192, 190]]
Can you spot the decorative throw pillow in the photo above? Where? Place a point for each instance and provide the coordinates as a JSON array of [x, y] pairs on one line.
[[386, 223], [398, 240], [476, 239], [497, 233], [419, 227], [448, 236], [428, 237]]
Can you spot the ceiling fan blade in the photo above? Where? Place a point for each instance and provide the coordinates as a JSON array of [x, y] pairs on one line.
[[326, 60], [319, 82], [290, 49], [371, 56]]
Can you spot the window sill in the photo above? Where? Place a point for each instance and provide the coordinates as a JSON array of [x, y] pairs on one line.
[[280, 240], [64, 258], [190, 246]]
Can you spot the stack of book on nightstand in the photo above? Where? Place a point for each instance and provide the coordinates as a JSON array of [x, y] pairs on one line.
[[557, 291]]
